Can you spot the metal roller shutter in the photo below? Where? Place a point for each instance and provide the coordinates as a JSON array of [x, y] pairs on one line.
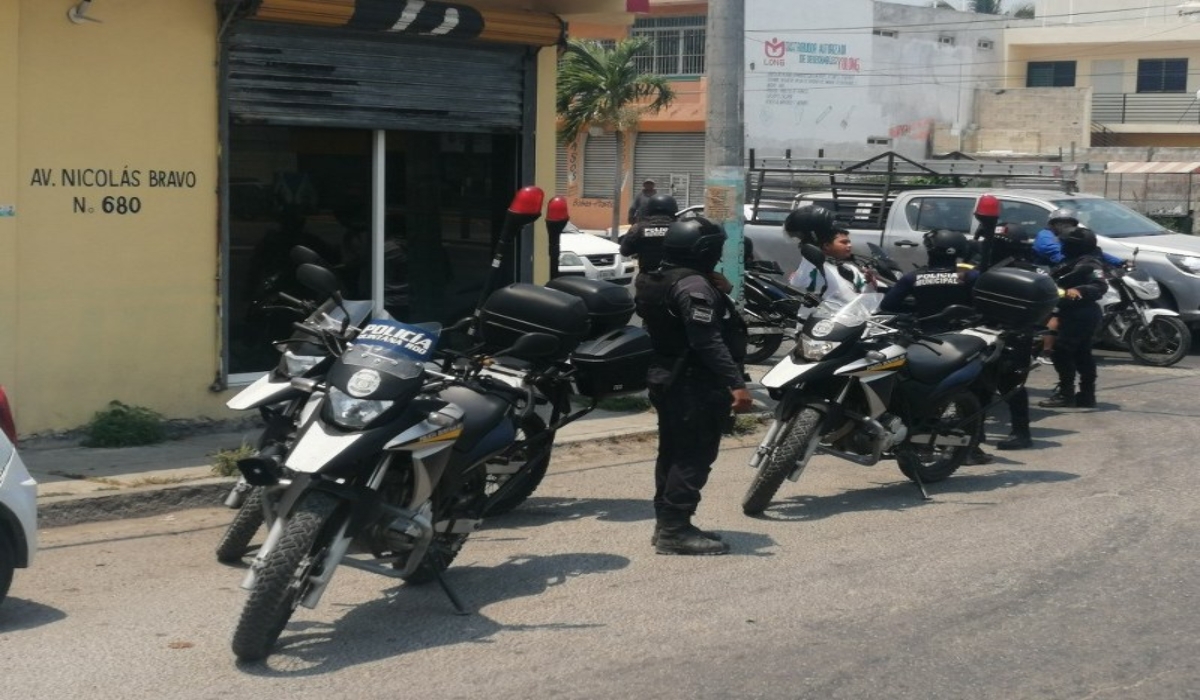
[[560, 170], [599, 164], [295, 75], [675, 162]]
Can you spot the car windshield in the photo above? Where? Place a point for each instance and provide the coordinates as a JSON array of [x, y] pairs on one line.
[[1108, 218]]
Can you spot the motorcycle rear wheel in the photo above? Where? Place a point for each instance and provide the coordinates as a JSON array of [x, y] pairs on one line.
[[760, 348], [931, 463], [798, 439], [236, 541], [1164, 342], [535, 463], [284, 577]]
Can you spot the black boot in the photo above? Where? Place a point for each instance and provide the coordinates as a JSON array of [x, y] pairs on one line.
[[677, 535], [703, 533], [1061, 398], [977, 456], [1019, 440], [1086, 398]]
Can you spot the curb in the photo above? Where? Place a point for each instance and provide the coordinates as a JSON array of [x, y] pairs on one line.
[[132, 503]]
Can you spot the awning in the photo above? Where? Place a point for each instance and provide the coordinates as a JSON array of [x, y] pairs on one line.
[[414, 18], [1155, 167]]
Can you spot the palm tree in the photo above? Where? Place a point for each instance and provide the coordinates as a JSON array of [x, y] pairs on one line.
[[1026, 11], [601, 86], [987, 7]]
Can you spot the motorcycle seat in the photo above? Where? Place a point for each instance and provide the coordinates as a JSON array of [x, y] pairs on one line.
[[930, 363]]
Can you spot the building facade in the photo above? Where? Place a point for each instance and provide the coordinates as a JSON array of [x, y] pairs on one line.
[[161, 158]]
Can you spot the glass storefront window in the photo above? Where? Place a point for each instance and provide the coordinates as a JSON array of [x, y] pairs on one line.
[[445, 194]]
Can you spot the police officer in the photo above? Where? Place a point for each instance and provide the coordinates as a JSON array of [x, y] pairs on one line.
[[644, 239], [940, 283], [937, 285], [699, 341], [1011, 246], [1083, 281]]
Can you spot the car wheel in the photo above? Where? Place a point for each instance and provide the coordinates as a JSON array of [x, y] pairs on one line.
[[8, 562]]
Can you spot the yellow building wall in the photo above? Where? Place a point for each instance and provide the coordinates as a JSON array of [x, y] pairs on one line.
[[113, 267], [9, 16]]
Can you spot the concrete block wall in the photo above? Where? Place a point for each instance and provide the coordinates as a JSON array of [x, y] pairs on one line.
[[1030, 121]]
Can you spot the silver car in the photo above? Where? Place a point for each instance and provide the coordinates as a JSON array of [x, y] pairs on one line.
[[18, 504]]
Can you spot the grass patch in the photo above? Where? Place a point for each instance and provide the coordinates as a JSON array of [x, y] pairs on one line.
[[225, 461], [623, 404], [744, 424], [121, 425]]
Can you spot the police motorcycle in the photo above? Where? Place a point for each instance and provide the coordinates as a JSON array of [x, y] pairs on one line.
[[1153, 335], [389, 472], [600, 356], [280, 402], [864, 387]]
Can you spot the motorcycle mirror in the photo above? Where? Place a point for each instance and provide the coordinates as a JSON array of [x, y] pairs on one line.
[[301, 255], [318, 279]]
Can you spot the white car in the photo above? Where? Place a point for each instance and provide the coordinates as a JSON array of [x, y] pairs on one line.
[[593, 256], [18, 504]]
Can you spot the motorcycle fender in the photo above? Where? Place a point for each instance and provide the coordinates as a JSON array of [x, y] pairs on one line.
[[1149, 315], [265, 390], [786, 372], [318, 445]]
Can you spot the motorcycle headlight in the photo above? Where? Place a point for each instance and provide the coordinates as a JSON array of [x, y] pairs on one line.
[[1144, 288], [349, 412], [569, 259], [1188, 263], [814, 349], [298, 365]]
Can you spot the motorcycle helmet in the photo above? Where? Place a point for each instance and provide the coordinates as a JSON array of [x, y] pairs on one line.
[[809, 224], [696, 243], [1063, 215], [660, 205], [1078, 242], [945, 245]]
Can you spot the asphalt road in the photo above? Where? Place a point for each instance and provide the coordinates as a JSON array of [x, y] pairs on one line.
[[1066, 571]]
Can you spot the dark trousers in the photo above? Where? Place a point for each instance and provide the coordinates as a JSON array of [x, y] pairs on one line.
[[1016, 358], [1073, 350], [691, 413]]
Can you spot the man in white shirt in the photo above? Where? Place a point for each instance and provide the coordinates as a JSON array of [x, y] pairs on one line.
[[832, 274]]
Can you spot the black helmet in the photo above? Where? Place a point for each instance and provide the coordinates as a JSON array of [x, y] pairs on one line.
[[809, 224], [694, 243], [660, 205], [1078, 242], [1063, 214], [946, 245]]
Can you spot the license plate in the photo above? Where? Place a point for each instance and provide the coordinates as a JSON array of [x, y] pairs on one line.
[[606, 274]]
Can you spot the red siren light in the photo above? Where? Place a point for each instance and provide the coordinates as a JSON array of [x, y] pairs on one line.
[[987, 205], [527, 201], [557, 209]]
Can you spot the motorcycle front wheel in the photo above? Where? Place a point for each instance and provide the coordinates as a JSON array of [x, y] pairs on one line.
[[1164, 342], [285, 576], [933, 463], [794, 448], [760, 348], [236, 540], [530, 464]]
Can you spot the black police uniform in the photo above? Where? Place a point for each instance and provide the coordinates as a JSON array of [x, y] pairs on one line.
[[645, 240], [699, 342], [1077, 321], [933, 288]]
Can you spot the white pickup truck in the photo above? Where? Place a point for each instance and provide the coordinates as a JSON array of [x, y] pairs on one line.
[[1172, 258]]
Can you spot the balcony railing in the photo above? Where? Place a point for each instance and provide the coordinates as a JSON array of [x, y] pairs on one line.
[[1146, 108]]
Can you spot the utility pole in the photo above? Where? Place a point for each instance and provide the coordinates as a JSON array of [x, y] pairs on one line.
[[725, 173]]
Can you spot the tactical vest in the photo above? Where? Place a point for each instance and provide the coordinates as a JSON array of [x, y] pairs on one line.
[[666, 329], [935, 288]]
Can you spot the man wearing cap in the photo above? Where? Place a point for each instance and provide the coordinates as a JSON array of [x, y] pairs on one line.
[[640, 201]]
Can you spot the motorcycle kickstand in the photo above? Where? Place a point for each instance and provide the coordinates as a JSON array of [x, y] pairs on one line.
[[459, 608], [921, 485]]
